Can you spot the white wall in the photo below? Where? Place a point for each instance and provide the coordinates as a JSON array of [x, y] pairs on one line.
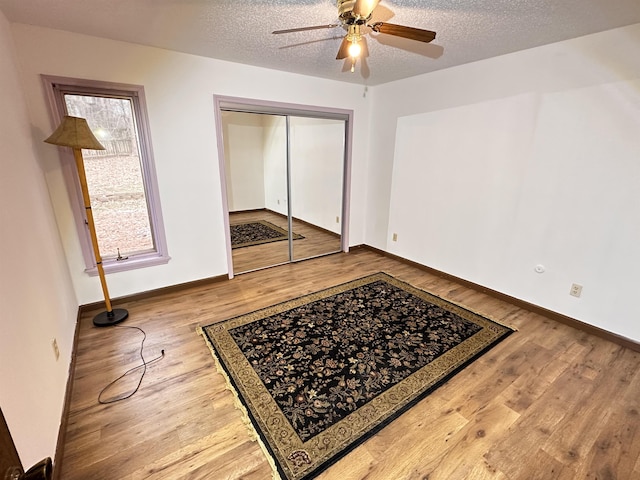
[[179, 91], [486, 170], [244, 160], [275, 163], [37, 301], [317, 164]]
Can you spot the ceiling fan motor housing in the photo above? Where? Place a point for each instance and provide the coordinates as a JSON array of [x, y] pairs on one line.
[[345, 6], [345, 12]]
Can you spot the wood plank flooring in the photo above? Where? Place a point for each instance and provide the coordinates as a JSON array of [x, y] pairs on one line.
[[316, 242], [549, 402]]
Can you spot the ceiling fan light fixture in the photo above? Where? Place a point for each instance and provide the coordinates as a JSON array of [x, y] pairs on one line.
[[354, 36], [355, 49]]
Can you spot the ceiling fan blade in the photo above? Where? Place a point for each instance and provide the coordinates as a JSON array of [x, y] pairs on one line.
[[363, 8], [412, 33], [343, 51], [304, 29]]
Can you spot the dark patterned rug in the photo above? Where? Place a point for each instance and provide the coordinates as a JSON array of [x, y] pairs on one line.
[[319, 374], [258, 232]]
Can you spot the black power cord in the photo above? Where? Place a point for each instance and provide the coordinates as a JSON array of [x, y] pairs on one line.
[[143, 366]]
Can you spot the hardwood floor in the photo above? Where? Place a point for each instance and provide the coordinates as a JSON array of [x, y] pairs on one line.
[[316, 242], [549, 402]]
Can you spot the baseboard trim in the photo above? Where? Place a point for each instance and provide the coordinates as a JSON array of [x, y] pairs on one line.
[[250, 210], [558, 317], [152, 293], [309, 224], [64, 421]]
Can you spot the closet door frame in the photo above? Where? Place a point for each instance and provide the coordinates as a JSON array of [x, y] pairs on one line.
[[248, 105]]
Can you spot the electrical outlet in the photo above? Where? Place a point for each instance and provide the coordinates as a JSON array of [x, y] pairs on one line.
[[576, 290], [395, 237], [56, 350], [337, 219]]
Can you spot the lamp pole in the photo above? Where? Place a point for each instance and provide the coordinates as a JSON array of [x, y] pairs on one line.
[[75, 133]]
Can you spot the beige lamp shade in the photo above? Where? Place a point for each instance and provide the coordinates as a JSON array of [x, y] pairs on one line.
[[75, 133]]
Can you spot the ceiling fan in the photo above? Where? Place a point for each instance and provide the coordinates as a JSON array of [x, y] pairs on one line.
[[354, 16]]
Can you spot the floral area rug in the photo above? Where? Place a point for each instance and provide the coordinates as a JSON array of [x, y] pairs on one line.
[[258, 232], [319, 374]]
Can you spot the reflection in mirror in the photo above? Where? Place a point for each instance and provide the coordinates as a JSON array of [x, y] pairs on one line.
[[256, 175], [261, 202], [317, 164]]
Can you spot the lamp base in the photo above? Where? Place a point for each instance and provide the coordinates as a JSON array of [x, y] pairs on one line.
[[106, 319]]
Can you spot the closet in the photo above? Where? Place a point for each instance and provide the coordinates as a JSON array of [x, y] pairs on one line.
[[285, 171]]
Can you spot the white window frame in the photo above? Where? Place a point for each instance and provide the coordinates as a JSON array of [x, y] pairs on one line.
[[55, 88]]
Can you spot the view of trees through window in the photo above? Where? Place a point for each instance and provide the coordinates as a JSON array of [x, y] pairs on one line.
[[114, 175]]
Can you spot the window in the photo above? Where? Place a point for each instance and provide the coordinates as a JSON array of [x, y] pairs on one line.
[[121, 179]]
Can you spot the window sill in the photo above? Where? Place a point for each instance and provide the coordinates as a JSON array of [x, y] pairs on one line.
[[141, 261]]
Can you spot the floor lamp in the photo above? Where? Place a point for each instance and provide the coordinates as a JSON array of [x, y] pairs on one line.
[[75, 133]]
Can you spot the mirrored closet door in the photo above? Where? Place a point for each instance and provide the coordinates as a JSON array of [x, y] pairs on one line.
[[316, 183], [284, 185]]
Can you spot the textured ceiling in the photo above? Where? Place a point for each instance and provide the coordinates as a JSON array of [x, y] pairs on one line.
[[240, 30]]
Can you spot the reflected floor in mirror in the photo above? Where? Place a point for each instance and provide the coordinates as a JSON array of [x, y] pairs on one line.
[[317, 241]]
